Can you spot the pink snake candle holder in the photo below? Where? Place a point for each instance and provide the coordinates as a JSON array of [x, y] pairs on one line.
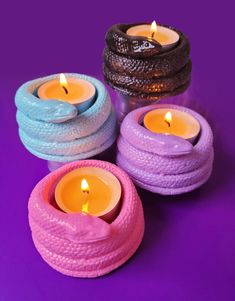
[[82, 245], [164, 164]]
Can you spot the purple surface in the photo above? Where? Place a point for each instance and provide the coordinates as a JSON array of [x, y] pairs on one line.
[[189, 244]]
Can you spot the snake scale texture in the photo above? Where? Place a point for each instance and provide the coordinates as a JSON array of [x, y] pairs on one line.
[[141, 67], [53, 130], [81, 245], [160, 163]]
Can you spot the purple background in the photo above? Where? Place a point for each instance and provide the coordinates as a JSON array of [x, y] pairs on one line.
[[188, 252]]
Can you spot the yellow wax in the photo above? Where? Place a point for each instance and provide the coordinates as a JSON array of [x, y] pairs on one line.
[[101, 198], [182, 124], [79, 90], [163, 35]]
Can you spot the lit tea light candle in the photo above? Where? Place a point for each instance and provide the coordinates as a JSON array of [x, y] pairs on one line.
[[165, 36], [172, 122], [76, 91], [86, 191], [89, 190]]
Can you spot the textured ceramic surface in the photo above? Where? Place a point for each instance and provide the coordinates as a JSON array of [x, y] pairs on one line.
[[188, 249], [81, 245], [140, 67], [161, 163], [53, 130]]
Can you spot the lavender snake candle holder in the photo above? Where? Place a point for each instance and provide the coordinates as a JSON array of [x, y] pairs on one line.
[[82, 245], [53, 130], [141, 70], [161, 163]]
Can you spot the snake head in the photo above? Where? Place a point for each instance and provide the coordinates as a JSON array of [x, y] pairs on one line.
[[51, 110], [85, 228], [140, 45], [137, 135], [172, 146], [119, 41]]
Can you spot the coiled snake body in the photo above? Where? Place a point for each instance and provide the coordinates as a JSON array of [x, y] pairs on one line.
[[140, 67], [161, 163], [82, 245], [53, 130]]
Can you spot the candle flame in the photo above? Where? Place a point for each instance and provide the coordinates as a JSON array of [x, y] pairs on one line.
[[86, 190], [84, 186], [64, 82], [168, 118], [153, 29]]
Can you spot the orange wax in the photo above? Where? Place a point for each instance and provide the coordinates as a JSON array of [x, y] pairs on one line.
[[179, 123], [78, 90], [100, 197], [163, 35]]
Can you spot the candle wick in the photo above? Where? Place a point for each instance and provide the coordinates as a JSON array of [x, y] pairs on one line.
[[152, 35], [168, 123], [65, 90]]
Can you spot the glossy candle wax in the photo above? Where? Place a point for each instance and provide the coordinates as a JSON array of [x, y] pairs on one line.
[[79, 90], [163, 35], [182, 124], [100, 199]]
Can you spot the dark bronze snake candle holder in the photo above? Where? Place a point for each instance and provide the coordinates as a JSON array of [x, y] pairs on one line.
[[140, 67]]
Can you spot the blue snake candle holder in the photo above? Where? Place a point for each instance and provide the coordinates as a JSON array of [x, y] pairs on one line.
[[53, 130]]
